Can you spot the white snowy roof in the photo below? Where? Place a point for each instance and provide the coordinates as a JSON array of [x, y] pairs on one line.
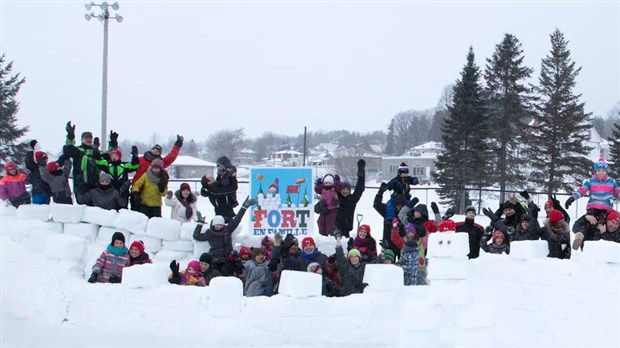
[[288, 151], [192, 161]]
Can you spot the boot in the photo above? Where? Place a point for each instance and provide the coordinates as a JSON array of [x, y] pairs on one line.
[[578, 240]]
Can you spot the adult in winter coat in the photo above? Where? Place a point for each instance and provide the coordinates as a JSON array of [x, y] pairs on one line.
[[183, 204], [258, 279], [350, 269], [524, 230], [602, 189], [57, 178], [310, 253], [109, 266], [137, 255], [512, 210], [327, 207], [286, 255], [191, 275], [208, 272], [381, 208], [473, 230], [557, 234], [155, 153], [150, 188], [13, 186], [219, 235], [222, 191], [117, 168], [104, 195], [347, 201], [40, 191], [86, 162]]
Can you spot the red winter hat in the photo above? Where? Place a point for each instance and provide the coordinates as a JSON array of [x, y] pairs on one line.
[[185, 186], [245, 251], [10, 165], [498, 234], [38, 155], [52, 167], [447, 225], [364, 228], [613, 215], [116, 152], [138, 244], [549, 203], [555, 215], [307, 241]]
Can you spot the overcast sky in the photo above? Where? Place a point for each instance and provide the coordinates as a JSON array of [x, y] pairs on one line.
[[197, 67]]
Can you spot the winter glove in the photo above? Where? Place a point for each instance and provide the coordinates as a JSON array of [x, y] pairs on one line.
[[490, 214], [414, 201], [199, 217], [556, 203], [488, 231], [569, 201], [277, 239], [174, 267], [525, 194], [320, 208], [204, 181], [70, 131], [414, 180], [435, 208], [336, 178], [350, 244], [179, 141], [318, 182], [32, 144], [163, 181], [113, 142], [383, 187], [249, 202], [337, 233], [384, 244], [361, 168], [93, 278], [449, 213], [96, 143], [169, 194], [134, 150], [115, 279], [135, 199]]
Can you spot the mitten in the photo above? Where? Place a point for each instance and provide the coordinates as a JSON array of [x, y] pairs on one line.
[[569, 201], [169, 194], [525, 194], [70, 131], [435, 208], [93, 278], [134, 150], [135, 198], [488, 231], [414, 201], [350, 243], [113, 142], [115, 279], [179, 141], [277, 239], [414, 180], [249, 202], [361, 168], [449, 213], [33, 144], [319, 181], [163, 181], [273, 264], [96, 142], [490, 214], [204, 181], [336, 178], [383, 187], [384, 244], [174, 267], [199, 217]]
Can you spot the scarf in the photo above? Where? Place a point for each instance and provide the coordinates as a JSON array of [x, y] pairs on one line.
[[151, 176], [117, 251], [311, 255], [189, 211]]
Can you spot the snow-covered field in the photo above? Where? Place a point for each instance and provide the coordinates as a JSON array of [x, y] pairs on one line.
[[494, 301]]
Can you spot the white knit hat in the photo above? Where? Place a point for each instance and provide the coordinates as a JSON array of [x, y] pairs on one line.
[[218, 220]]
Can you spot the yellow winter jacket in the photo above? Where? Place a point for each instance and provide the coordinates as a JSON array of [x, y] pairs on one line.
[[149, 192]]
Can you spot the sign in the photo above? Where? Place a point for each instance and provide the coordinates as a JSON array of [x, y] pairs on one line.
[[284, 198]]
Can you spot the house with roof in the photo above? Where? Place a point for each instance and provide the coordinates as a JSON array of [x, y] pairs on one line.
[[188, 167], [420, 160]]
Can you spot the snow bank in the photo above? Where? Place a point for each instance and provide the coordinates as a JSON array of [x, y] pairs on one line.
[[65, 247], [300, 284], [83, 230], [145, 276]]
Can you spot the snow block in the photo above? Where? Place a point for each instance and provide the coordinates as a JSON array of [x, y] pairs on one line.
[[166, 255], [9, 227], [151, 245], [99, 216], [39, 212], [448, 268], [36, 232], [105, 235], [200, 248], [166, 229], [447, 245], [67, 212], [225, 296], [65, 247], [7, 210], [145, 276], [383, 277], [131, 221], [601, 251], [83, 230], [179, 245], [187, 230], [529, 249], [300, 284]]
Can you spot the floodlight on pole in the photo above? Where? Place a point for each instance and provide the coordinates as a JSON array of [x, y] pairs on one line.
[[104, 17]]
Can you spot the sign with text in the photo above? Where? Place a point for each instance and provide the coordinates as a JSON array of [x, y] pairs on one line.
[[284, 198]]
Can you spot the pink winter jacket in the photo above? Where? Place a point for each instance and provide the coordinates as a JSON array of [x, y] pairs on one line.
[[12, 186], [109, 264]]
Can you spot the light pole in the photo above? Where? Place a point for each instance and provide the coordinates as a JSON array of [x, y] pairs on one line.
[[104, 17]]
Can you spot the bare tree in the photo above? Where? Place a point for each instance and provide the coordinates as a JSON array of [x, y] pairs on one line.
[[227, 142]]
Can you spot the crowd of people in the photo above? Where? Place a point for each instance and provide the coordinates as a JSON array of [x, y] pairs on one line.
[[101, 179]]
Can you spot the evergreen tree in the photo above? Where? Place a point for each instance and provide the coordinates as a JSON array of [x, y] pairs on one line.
[[556, 150], [464, 135], [614, 150], [507, 99], [389, 147], [10, 149]]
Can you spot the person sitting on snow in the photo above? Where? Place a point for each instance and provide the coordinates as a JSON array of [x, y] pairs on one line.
[[258, 279], [109, 266], [191, 275], [137, 255]]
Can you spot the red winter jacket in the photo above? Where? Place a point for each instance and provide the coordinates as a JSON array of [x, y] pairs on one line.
[[145, 163]]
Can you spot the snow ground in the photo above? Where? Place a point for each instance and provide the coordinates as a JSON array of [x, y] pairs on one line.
[[504, 303]]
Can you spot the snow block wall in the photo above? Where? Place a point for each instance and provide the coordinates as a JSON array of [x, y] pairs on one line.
[[481, 302]]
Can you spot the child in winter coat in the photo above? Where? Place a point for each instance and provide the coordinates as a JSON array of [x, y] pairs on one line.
[[601, 187], [557, 234], [474, 231], [400, 185], [498, 245], [57, 178], [258, 281], [104, 195], [327, 207], [222, 190], [40, 189], [412, 257], [137, 256], [267, 245], [329, 287], [150, 188], [420, 217], [365, 243], [191, 275], [310, 253], [183, 204], [208, 272], [13, 186], [109, 266], [350, 269], [387, 257], [347, 200]]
